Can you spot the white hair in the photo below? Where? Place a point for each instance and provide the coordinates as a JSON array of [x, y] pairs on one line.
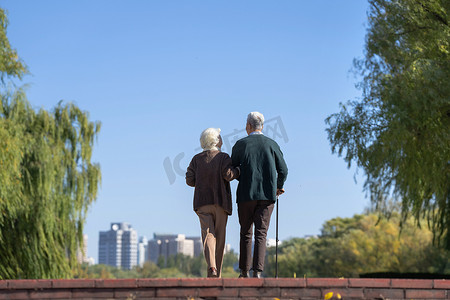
[[210, 138], [256, 120]]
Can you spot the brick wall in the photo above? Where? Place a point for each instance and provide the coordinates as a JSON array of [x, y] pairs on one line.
[[226, 289]]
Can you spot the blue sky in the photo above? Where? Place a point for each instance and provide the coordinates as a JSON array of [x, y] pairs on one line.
[[156, 73]]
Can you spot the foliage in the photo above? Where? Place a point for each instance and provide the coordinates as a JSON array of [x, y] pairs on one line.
[[48, 184], [103, 272], [362, 244], [195, 266], [177, 266], [399, 132], [10, 63], [47, 180]]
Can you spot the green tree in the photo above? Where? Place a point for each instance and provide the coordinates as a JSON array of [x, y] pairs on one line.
[[161, 263], [98, 271], [368, 244], [230, 261], [177, 266], [47, 179], [10, 63], [362, 244], [399, 132], [296, 258], [49, 186], [148, 270]]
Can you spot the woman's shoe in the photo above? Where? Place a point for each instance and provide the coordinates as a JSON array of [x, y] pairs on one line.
[[212, 272]]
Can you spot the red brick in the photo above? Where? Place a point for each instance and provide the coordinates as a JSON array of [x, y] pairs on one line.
[[29, 284], [142, 298], [13, 295], [140, 293], [201, 282], [369, 282], [326, 282], [51, 294], [384, 293], [144, 293], [213, 292], [426, 294], [3, 284], [229, 292], [125, 293], [300, 293], [166, 282], [272, 298], [259, 292], [165, 298], [412, 283], [176, 292], [137, 293], [442, 284], [284, 282], [73, 283], [243, 282], [93, 293], [116, 283], [345, 293]]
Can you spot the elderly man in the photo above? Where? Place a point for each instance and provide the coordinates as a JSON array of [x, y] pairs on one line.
[[263, 173]]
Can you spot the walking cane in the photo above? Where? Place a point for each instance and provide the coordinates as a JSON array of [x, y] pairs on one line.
[[276, 244]]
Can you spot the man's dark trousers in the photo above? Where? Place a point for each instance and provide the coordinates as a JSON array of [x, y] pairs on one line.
[[254, 212]]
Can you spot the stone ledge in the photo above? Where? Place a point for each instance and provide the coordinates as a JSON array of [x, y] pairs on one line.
[[228, 282], [229, 288]]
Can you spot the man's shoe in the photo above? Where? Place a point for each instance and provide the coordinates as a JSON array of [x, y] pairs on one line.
[[244, 274], [212, 273], [257, 274]]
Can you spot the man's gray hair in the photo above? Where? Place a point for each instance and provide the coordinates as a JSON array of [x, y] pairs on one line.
[[210, 138], [256, 120]]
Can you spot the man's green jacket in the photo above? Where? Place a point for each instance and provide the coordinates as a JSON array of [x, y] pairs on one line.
[[263, 168]]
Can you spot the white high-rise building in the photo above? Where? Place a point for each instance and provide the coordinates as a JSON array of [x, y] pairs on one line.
[[227, 249], [82, 251], [198, 244], [142, 250], [118, 246]]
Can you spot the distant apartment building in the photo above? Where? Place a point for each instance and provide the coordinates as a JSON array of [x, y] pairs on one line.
[[198, 244], [227, 249], [82, 253], [82, 250], [166, 245], [118, 246], [142, 250]]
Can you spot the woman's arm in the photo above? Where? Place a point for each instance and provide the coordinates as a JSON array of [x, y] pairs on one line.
[[228, 171], [190, 174]]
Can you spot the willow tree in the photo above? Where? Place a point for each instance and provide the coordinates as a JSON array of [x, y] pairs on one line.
[[10, 64], [47, 179], [399, 131]]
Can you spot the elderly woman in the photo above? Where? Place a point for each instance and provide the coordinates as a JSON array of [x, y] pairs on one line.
[[210, 172]]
